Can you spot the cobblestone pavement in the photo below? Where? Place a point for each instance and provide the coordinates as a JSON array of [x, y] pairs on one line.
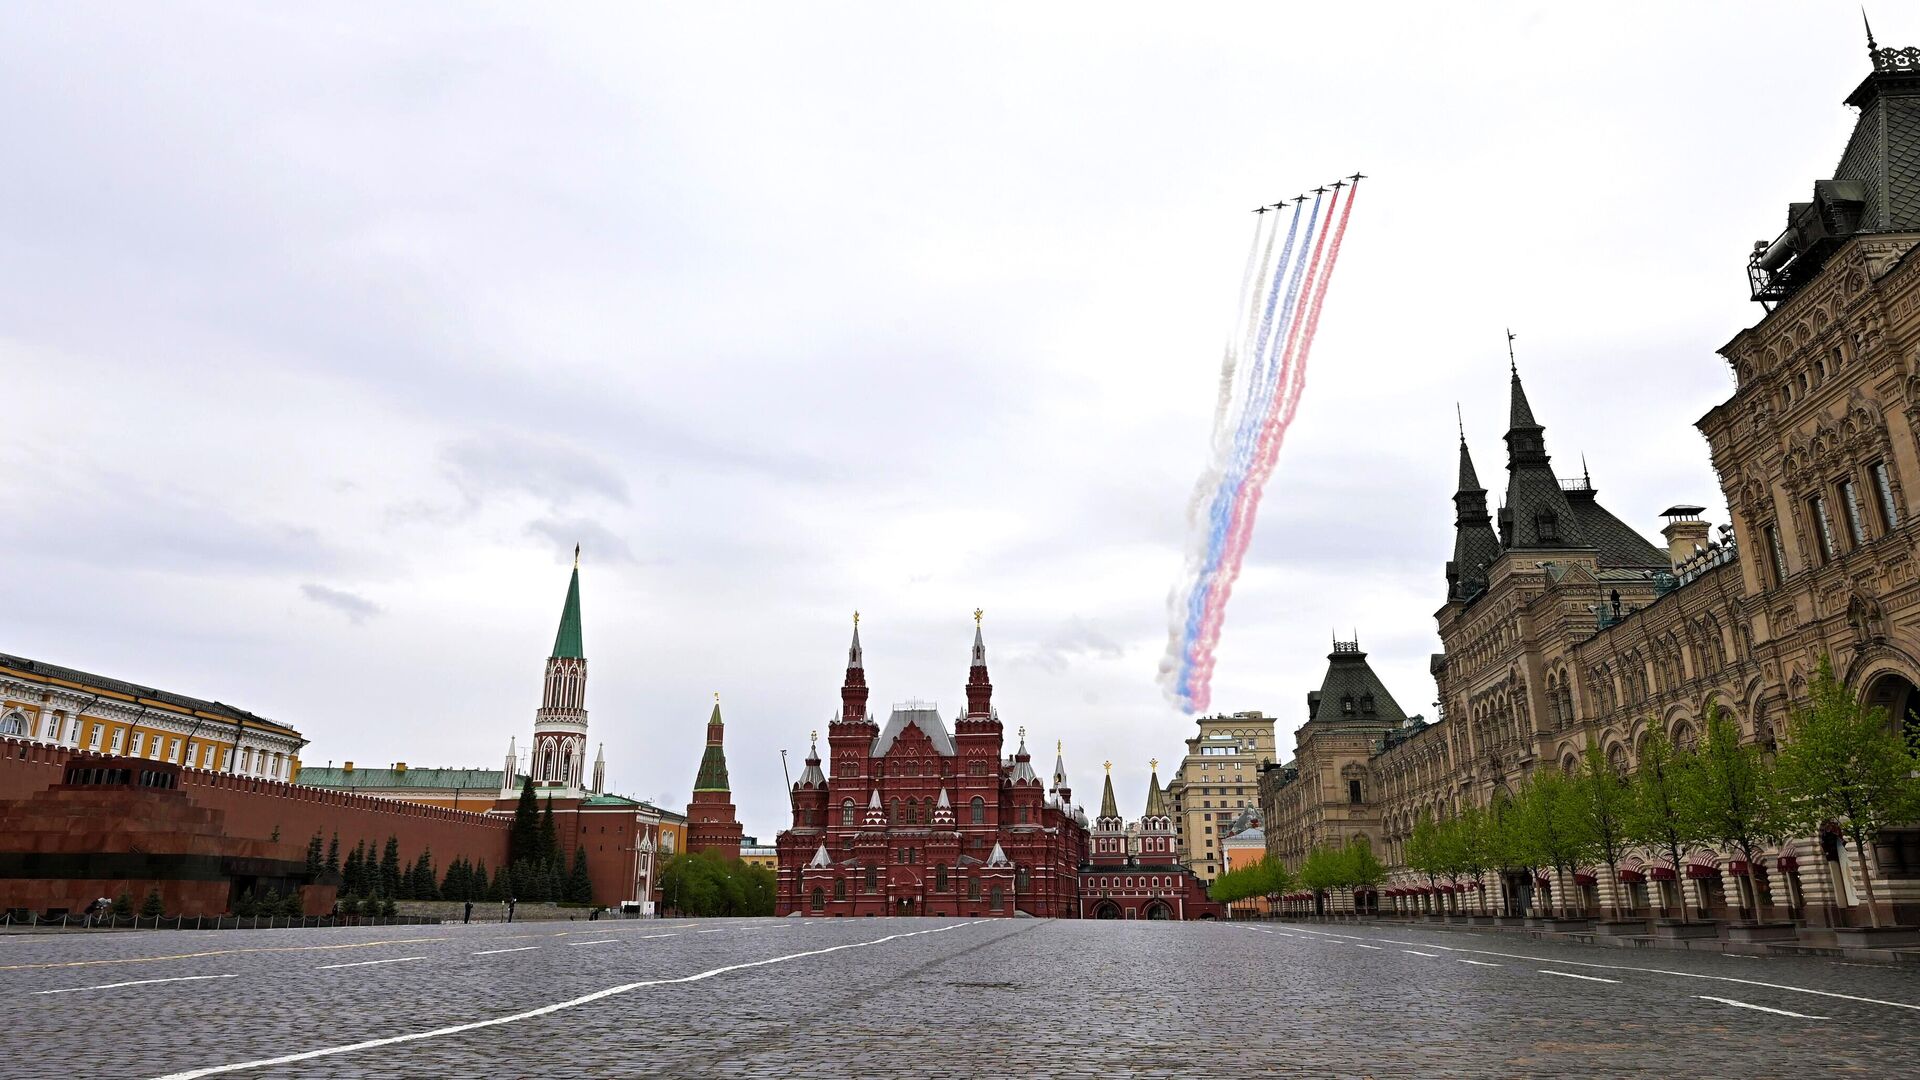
[[799, 999]]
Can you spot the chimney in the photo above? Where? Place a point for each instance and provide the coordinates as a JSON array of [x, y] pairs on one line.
[[399, 767], [1686, 533], [348, 768]]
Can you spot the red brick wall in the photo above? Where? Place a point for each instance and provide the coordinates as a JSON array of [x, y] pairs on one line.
[[255, 808]]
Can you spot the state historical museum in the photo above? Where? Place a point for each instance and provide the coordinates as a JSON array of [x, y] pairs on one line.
[[911, 819]]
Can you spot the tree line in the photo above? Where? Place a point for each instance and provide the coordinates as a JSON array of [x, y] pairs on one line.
[[704, 884], [537, 870], [1842, 766], [1327, 867]]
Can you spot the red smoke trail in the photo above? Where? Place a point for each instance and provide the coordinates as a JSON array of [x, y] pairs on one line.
[[1280, 417]]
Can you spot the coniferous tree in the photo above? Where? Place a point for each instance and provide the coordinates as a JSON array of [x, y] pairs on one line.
[[454, 885], [122, 905], [152, 907], [390, 868], [244, 906], [333, 855], [499, 883], [315, 858], [549, 836], [524, 836], [580, 883], [478, 887]]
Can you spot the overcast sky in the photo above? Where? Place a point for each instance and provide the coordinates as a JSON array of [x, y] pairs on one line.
[[327, 332]]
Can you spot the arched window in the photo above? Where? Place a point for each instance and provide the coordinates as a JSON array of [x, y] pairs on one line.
[[893, 812], [940, 878], [846, 811], [819, 898], [1020, 880], [14, 723], [979, 809], [839, 888], [973, 888], [913, 811]]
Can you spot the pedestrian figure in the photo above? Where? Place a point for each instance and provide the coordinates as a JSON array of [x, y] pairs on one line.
[[467, 917], [512, 902]]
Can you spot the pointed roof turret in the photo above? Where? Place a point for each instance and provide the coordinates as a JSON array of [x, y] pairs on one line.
[[943, 810], [713, 764], [876, 814], [1109, 808], [812, 776], [1154, 802], [567, 643], [820, 857], [1059, 765], [979, 687], [854, 660], [1536, 514], [1475, 546], [998, 858], [1023, 763], [853, 690]]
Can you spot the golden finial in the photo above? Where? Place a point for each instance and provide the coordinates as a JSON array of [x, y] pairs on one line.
[[814, 735], [1108, 764], [1057, 745], [576, 556], [1154, 764], [856, 617], [977, 616]]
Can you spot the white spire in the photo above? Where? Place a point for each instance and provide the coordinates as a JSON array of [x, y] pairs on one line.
[[854, 661], [979, 647], [999, 856], [821, 858]]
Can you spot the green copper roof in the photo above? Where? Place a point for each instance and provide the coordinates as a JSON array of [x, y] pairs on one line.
[[713, 764], [1108, 809], [567, 642], [482, 780], [713, 770]]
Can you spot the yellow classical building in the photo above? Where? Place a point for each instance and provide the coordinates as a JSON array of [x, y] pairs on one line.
[[60, 706]]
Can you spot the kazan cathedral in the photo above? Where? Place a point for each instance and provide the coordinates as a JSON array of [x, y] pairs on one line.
[[912, 818]]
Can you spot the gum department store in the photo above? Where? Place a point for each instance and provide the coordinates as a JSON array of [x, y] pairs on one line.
[[1561, 624]]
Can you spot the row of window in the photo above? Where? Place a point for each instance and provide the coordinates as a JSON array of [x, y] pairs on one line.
[[913, 812], [817, 900], [1852, 513], [154, 747]]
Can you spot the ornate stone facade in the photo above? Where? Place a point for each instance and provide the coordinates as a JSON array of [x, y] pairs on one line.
[[1568, 627]]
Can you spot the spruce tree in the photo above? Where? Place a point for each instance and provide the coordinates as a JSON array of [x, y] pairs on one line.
[[478, 888], [549, 836], [356, 869], [580, 883], [333, 855], [390, 868], [315, 860], [524, 836]]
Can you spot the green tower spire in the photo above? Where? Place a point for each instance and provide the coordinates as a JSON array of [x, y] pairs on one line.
[[566, 644], [713, 764]]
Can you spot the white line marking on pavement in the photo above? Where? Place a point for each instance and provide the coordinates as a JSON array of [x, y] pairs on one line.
[[1571, 975], [585, 999], [1417, 952], [595, 941], [650, 937], [367, 963], [1655, 971], [1375, 948], [1757, 1008], [496, 952], [1477, 963], [136, 982], [706, 931]]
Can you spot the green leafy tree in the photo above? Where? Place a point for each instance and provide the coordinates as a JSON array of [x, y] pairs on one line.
[[1553, 829], [1360, 867], [704, 884], [1604, 798], [1473, 848], [1662, 793], [1843, 762], [1424, 851], [1735, 801], [152, 907], [579, 882], [1507, 848], [1321, 872]]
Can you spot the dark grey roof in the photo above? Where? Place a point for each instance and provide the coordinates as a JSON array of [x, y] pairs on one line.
[[1351, 692], [926, 718], [134, 690], [1536, 515], [1475, 547], [1617, 543], [1883, 156]]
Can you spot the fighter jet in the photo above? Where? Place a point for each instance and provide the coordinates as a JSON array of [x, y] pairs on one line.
[[1357, 177], [1338, 184], [1260, 209], [1317, 191]]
